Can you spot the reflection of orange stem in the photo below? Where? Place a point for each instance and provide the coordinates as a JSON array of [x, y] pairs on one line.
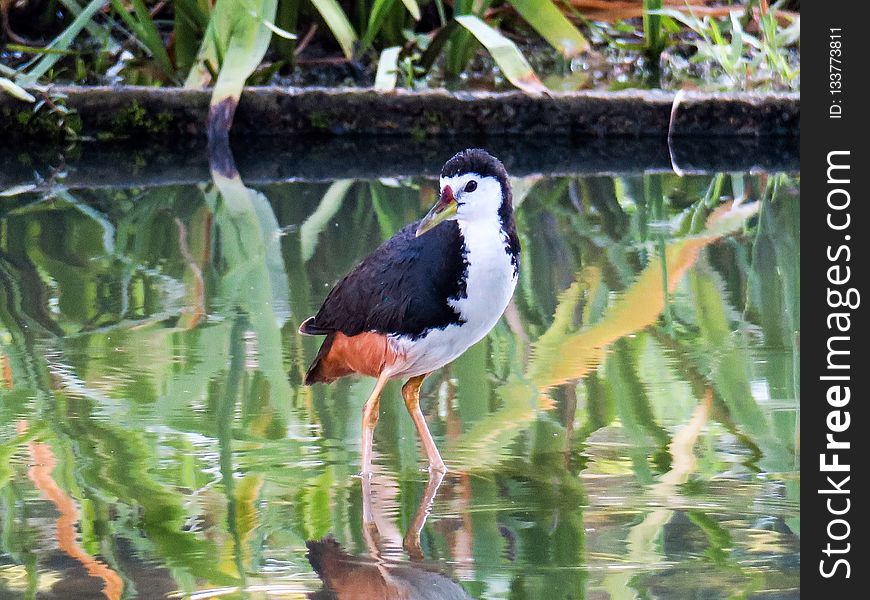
[[206, 236], [42, 464], [682, 446], [6, 371], [559, 359], [462, 546], [195, 315], [514, 320], [454, 423], [571, 357]]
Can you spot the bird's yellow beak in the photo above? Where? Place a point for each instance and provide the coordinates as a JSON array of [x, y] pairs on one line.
[[443, 210]]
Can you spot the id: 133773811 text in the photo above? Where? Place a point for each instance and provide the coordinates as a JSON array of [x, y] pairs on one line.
[[835, 72]]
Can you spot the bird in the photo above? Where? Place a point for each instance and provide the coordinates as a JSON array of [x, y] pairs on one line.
[[425, 296]]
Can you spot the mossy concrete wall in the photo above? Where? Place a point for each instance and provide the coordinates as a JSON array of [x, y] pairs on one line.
[[137, 112]]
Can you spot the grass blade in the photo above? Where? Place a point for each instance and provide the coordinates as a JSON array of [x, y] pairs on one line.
[[654, 41], [9, 86], [378, 14], [281, 33], [61, 42], [194, 11], [553, 26], [338, 24], [461, 47], [191, 22], [439, 41], [413, 8], [287, 18], [246, 44], [210, 55], [142, 24], [505, 53], [96, 30], [385, 79], [311, 229]]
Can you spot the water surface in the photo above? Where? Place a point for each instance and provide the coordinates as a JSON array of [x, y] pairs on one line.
[[628, 430]]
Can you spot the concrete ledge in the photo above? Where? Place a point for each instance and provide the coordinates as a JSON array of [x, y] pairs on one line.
[[140, 112]]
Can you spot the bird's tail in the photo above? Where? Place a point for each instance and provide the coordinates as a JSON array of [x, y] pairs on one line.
[[309, 328], [366, 353], [315, 373], [320, 370]]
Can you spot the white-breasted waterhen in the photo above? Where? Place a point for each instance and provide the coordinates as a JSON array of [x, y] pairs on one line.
[[425, 295]]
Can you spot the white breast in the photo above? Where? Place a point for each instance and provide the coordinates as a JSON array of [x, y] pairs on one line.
[[490, 282], [489, 285]]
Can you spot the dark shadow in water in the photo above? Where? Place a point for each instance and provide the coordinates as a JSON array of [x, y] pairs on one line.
[[371, 575], [326, 159]]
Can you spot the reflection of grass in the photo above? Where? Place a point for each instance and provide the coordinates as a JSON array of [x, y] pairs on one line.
[[561, 356], [41, 474], [211, 462]]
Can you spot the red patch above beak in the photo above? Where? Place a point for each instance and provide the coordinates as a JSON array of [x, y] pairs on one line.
[[444, 209], [445, 200]]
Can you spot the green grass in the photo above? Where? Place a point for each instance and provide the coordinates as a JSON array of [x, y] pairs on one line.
[[746, 60], [494, 43]]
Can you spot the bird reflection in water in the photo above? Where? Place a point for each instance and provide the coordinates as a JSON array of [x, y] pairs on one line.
[[380, 574]]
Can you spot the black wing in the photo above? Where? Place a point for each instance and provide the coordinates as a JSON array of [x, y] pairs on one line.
[[400, 288]]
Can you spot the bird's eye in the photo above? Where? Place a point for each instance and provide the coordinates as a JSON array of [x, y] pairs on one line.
[[470, 186]]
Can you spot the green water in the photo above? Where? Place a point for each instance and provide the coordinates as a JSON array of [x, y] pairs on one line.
[[629, 430]]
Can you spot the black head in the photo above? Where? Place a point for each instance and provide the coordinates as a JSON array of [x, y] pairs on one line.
[[479, 162], [474, 160], [475, 189], [474, 186]]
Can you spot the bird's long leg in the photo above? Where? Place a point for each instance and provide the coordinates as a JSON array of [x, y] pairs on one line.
[[369, 420], [411, 394]]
